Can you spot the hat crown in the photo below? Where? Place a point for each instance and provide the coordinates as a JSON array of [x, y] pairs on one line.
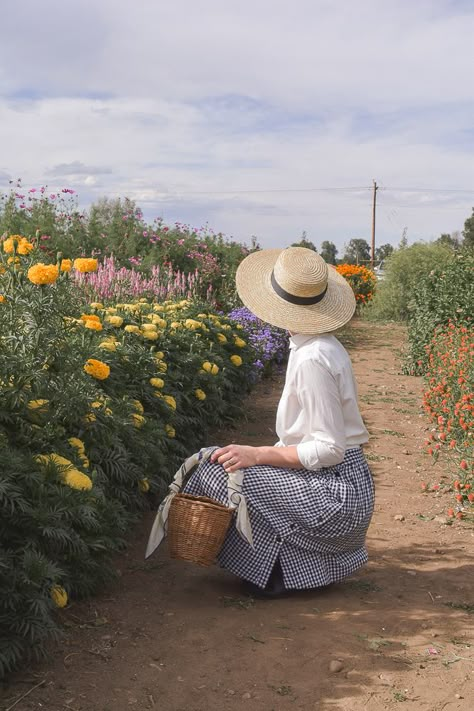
[[301, 272]]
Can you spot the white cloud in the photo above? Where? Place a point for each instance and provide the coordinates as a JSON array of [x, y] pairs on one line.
[[162, 102]]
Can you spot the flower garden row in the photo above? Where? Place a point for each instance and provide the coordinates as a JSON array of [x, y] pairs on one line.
[[441, 347], [99, 404], [449, 403]]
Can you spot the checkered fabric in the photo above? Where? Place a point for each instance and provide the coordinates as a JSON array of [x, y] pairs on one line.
[[315, 522]]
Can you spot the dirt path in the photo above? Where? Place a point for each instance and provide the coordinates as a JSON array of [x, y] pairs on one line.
[[173, 637]]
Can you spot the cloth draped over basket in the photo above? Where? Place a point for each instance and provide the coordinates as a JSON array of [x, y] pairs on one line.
[[236, 500]]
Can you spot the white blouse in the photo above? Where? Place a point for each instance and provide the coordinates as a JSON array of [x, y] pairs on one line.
[[318, 409]]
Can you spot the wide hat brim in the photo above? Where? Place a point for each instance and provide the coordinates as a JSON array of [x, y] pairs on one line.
[[254, 286]]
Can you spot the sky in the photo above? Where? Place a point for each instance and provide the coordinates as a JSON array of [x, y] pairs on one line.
[[264, 118]]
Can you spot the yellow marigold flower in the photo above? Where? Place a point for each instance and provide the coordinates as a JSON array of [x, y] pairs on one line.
[[239, 327], [77, 480], [176, 324], [184, 303], [58, 596], [157, 382], [84, 460], [192, 324], [150, 335], [24, 247], [132, 329], [210, 367], [170, 431], [9, 245], [90, 417], [97, 304], [93, 325], [2, 299], [169, 399], [148, 327], [200, 394], [159, 355], [221, 338], [144, 485], [138, 406], [43, 273], [38, 405], [138, 420], [116, 321], [239, 342], [202, 316], [85, 265], [98, 369], [226, 327], [108, 346], [66, 265], [162, 366], [77, 444], [97, 404], [236, 360], [13, 260], [90, 317], [158, 321], [110, 309]]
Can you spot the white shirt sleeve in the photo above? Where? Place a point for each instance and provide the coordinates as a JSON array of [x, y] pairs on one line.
[[324, 442]]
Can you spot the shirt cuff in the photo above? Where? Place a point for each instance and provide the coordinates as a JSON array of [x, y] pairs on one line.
[[317, 454]]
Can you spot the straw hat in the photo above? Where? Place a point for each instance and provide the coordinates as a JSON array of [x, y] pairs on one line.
[[295, 289]]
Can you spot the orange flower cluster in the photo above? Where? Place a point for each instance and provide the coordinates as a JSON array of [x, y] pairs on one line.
[[449, 402], [361, 279]]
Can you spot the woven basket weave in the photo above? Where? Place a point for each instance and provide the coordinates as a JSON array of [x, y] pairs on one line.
[[197, 527]]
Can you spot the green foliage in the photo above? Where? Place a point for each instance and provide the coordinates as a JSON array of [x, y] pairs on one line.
[[383, 252], [468, 232], [304, 242], [81, 456], [357, 252], [404, 270], [329, 252], [445, 295]]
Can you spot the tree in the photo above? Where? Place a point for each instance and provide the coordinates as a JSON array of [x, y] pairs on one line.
[[404, 241], [449, 240], [305, 243], [357, 252], [382, 252], [468, 232], [328, 252]]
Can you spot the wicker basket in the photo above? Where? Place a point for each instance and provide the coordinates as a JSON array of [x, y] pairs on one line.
[[197, 527]]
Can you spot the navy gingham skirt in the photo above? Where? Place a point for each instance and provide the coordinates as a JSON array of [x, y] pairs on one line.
[[314, 522]]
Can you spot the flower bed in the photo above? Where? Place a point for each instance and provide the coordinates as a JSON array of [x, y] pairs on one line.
[[449, 402], [361, 279], [269, 342], [98, 406]]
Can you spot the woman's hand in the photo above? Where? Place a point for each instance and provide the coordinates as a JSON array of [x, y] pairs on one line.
[[235, 456]]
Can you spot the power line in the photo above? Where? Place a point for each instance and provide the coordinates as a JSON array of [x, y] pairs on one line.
[[430, 190], [359, 188], [272, 190]]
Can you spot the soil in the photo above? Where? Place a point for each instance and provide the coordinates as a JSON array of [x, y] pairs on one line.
[[172, 636]]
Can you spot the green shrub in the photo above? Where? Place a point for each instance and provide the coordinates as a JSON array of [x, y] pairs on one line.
[[444, 295], [404, 270]]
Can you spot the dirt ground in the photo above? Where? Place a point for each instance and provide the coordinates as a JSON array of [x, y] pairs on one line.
[[171, 636]]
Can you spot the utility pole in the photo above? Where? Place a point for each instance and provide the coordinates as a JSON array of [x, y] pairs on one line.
[[374, 200]]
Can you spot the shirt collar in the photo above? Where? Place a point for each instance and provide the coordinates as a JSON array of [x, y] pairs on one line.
[[298, 340]]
